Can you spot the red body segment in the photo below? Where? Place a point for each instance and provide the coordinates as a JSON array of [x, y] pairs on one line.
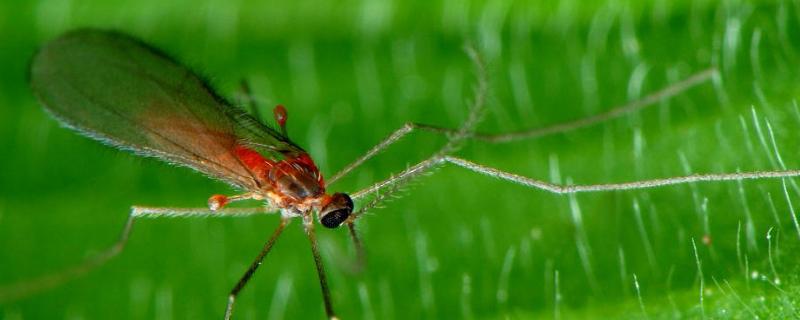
[[254, 161], [291, 180]]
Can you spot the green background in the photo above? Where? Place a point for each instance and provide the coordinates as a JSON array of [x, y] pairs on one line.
[[453, 244]]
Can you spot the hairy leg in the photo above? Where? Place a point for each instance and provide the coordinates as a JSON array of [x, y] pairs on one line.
[[27, 287], [253, 267], [308, 225], [615, 112], [393, 183], [361, 259]]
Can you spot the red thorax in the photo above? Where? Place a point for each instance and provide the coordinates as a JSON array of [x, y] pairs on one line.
[[294, 179]]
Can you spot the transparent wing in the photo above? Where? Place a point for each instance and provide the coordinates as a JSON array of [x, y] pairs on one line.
[[118, 90]]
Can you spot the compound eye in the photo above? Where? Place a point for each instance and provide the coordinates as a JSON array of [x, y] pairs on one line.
[[336, 211]]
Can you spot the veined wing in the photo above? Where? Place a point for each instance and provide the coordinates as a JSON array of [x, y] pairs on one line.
[[118, 90]]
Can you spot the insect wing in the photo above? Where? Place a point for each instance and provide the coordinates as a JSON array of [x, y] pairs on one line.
[[123, 92]]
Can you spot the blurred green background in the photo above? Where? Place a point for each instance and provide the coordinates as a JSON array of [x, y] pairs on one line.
[[454, 244]]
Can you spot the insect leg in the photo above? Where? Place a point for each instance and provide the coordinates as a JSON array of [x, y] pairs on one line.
[[253, 267], [32, 286], [391, 184], [454, 134], [613, 113], [160, 212], [359, 247], [395, 181], [218, 201], [640, 184], [392, 138], [308, 225]]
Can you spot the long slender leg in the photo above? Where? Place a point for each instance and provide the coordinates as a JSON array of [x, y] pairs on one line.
[[467, 128], [396, 180], [393, 183], [160, 212], [29, 287], [308, 224], [641, 184], [615, 112], [358, 245], [253, 267]]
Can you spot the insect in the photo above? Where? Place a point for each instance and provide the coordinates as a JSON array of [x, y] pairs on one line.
[[154, 106]]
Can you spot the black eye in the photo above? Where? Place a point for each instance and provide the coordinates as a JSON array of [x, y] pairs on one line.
[[337, 211], [335, 218]]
